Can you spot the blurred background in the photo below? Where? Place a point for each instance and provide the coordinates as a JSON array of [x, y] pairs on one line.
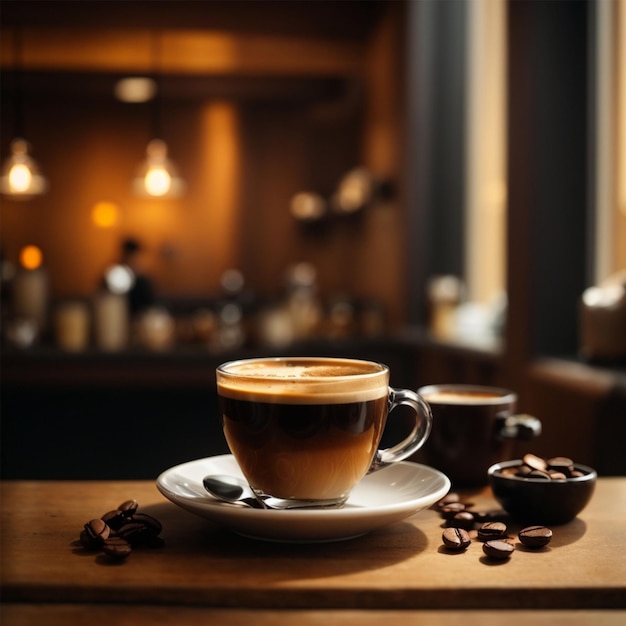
[[437, 185]]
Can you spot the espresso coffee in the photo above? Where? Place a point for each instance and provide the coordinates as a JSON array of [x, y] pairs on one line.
[[461, 397], [304, 429]]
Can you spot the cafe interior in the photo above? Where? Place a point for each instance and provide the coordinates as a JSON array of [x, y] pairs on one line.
[[435, 185], [438, 186]]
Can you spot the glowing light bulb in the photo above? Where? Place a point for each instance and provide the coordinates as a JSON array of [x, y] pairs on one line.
[[20, 178], [20, 173], [158, 180], [157, 176]]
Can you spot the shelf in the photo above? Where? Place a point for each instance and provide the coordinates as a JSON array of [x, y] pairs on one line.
[[184, 367]]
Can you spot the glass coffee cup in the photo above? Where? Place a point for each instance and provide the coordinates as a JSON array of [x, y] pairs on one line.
[[306, 430]]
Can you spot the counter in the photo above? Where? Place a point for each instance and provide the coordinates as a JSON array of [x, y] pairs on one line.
[[202, 571]]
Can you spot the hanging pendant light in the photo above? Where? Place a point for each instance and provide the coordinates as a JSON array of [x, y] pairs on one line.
[[20, 173], [21, 177], [157, 176]]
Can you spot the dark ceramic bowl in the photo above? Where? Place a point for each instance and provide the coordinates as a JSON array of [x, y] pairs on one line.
[[537, 501]]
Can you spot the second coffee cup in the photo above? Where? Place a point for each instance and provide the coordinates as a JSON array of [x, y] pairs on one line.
[[306, 430], [473, 428]]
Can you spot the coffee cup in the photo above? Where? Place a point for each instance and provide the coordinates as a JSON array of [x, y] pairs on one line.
[[473, 428], [306, 430]]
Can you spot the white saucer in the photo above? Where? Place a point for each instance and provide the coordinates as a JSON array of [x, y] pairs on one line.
[[381, 498]]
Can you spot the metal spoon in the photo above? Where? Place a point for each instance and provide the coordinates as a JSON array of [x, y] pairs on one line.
[[237, 491], [232, 489]]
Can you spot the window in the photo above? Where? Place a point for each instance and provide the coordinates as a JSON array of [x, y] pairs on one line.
[[610, 122]]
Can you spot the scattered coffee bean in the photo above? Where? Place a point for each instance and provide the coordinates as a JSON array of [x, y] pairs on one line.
[[114, 519], [447, 499], [129, 507], [535, 536], [97, 530], [117, 532], [135, 533], [450, 510], [117, 548], [152, 524], [463, 519], [89, 542], [456, 539], [492, 530], [460, 528], [498, 549]]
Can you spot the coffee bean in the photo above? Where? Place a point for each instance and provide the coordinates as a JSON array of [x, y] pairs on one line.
[[523, 470], [447, 499], [455, 539], [152, 524], [535, 462], [561, 464], [89, 542], [464, 520], [535, 536], [114, 519], [97, 530], [117, 548], [538, 474], [135, 533], [129, 507], [117, 531], [450, 510], [492, 530], [499, 550], [554, 475], [533, 466]]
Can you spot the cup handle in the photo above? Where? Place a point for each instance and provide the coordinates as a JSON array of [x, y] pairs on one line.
[[521, 426], [419, 434]]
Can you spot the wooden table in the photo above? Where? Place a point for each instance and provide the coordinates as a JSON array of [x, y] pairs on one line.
[[204, 572]]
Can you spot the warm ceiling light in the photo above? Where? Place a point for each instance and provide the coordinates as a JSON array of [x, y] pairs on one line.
[[31, 257], [157, 176], [135, 89], [20, 173]]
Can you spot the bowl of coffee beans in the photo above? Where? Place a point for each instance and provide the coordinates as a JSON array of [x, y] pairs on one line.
[[542, 491]]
